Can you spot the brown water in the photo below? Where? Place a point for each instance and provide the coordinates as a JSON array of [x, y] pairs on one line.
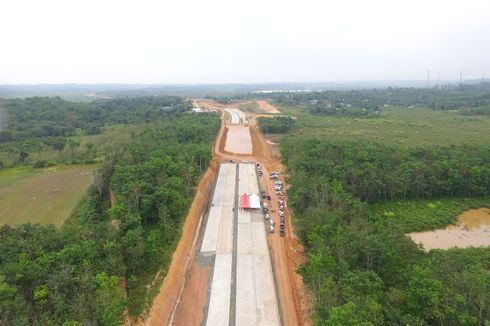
[[472, 229]]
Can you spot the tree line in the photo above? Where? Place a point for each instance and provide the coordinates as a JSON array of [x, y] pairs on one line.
[[367, 102], [373, 172]]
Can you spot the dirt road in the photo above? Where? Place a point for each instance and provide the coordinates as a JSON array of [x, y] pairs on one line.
[[183, 293]]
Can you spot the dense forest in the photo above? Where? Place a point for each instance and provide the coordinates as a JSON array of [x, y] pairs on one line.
[[103, 260], [373, 172], [53, 116], [475, 99], [361, 268], [51, 125]]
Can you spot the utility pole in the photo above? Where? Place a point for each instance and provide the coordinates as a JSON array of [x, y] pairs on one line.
[[428, 78]]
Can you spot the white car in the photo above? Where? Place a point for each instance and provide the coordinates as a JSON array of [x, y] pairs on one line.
[[266, 216], [271, 222], [271, 228]]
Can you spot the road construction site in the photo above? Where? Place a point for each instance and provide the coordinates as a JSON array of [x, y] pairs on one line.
[[242, 290], [238, 138], [227, 268], [236, 116]]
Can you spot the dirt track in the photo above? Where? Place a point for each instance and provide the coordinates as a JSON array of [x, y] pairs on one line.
[[267, 107], [183, 292]]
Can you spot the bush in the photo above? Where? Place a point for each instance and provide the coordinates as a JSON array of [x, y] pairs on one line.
[[40, 164]]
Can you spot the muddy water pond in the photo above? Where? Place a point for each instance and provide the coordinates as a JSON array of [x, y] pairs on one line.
[[472, 229]]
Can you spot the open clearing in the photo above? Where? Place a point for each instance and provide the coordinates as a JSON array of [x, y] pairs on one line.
[[267, 107], [46, 196], [238, 140], [471, 230]]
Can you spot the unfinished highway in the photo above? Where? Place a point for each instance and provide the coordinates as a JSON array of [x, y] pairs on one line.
[[229, 270], [241, 291]]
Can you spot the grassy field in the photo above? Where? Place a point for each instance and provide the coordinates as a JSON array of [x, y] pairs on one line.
[[397, 126], [252, 107], [46, 196]]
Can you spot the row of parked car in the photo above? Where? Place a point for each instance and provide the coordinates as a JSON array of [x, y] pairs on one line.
[[278, 187], [259, 169], [282, 219]]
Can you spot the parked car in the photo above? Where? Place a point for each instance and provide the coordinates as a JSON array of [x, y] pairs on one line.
[[271, 228], [266, 216], [282, 231], [271, 222]]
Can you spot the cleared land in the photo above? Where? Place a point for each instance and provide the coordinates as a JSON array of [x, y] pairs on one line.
[[264, 105], [46, 196], [238, 140]]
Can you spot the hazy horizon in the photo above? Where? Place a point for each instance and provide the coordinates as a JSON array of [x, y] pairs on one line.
[[218, 42]]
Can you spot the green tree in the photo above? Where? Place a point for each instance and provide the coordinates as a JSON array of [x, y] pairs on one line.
[[424, 295], [110, 300]]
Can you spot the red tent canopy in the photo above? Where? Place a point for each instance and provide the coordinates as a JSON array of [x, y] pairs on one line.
[[244, 201]]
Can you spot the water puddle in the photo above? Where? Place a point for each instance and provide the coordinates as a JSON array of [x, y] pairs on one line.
[[472, 229]]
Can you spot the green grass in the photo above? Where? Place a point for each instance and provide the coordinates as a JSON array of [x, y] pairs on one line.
[[252, 107], [424, 215], [46, 196], [397, 126]]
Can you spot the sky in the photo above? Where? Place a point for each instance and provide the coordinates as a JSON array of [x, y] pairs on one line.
[[238, 41]]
